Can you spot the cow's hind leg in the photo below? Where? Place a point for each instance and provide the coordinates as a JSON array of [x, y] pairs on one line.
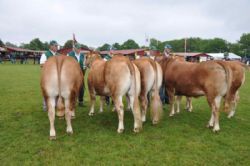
[[214, 120], [51, 103], [92, 102], [69, 108], [102, 100], [233, 105], [120, 112], [144, 105], [178, 103], [171, 101], [189, 106]]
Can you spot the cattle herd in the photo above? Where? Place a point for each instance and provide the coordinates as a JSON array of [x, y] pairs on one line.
[[62, 77]]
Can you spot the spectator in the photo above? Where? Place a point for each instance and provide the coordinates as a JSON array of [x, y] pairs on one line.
[[80, 58], [53, 47]]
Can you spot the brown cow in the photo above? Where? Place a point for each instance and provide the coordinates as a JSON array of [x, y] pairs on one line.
[[61, 80], [115, 78], [193, 80], [151, 80], [238, 79]]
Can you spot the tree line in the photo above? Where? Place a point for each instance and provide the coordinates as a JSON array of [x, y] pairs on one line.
[[193, 44]]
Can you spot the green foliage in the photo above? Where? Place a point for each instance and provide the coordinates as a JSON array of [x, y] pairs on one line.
[[179, 140], [129, 44], [117, 46], [1, 43], [35, 44], [245, 43], [68, 44], [104, 47], [9, 44]]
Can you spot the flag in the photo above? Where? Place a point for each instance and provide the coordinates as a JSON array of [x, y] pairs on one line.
[[74, 41]]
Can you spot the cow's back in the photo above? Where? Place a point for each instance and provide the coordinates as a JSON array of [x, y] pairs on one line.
[[49, 78], [117, 74], [71, 76], [195, 79]]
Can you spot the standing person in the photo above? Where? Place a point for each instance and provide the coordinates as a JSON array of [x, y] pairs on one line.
[[34, 58], [163, 95], [53, 47], [80, 58], [167, 50], [1, 60]]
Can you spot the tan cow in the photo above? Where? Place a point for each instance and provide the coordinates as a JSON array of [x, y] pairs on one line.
[[238, 79], [115, 78], [61, 80], [151, 80], [209, 79]]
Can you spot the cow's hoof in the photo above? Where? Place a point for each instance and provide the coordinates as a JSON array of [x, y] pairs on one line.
[[171, 115], [52, 138], [70, 132], [216, 130], [91, 114], [209, 126], [155, 122], [120, 131], [136, 130]]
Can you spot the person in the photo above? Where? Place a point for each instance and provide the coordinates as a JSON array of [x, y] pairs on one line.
[[1, 60], [163, 95], [53, 47], [167, 50], [80, 58]]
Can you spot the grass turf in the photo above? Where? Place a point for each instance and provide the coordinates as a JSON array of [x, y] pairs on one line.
[[179, 140]]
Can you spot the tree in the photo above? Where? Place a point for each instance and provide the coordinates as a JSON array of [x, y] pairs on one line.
[[154, 43], [117, 46], [68, 44], [9, 44], [104, 47], [129, 44], [36, 44], [1, 43], [245, 43]]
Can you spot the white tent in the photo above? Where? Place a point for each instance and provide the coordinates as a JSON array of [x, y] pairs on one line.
[[218, 56], [233, 56]]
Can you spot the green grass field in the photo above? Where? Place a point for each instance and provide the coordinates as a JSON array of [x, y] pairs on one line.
[[179, 140]]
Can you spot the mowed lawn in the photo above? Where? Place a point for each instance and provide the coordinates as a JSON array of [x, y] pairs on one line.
[[179, 140]]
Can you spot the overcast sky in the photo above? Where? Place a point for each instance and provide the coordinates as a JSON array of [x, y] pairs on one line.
[[95, 22]]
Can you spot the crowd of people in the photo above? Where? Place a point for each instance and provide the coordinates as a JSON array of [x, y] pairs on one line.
[[20, 57]]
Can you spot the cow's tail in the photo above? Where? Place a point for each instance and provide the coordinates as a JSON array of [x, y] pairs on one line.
[[156, 105], [136, 106], [229, 78], [60, 104]]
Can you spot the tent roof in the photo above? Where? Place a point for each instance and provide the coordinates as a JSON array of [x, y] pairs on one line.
[[221, 55]]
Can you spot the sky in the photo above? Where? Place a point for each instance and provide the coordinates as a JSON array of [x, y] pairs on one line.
[[96, 22]]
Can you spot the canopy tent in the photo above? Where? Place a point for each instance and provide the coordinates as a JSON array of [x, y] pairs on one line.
[[2, 49], [233, 56], [218, 56]]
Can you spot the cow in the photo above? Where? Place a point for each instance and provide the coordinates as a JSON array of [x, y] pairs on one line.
[[61, 79], [210, 79], [115, 78], [238, 79], [151, 80], [232, 98]]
